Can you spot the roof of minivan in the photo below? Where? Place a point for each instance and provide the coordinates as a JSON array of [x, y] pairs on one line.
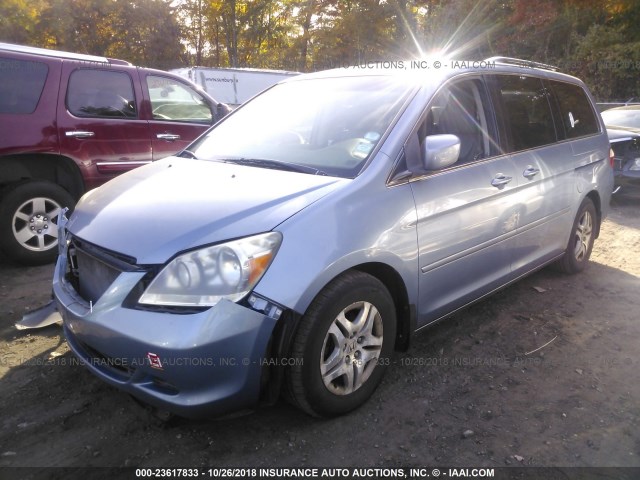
[[446, 68], [59, 54]]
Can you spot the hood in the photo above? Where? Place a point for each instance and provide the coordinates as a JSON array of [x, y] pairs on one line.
[[176, 204]]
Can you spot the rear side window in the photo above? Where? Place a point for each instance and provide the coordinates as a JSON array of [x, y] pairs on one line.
[[528, 116], [101, 93], [578, 118], [21, 84]]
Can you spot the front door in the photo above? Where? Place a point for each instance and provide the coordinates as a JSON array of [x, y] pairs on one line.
[[179, 114], [467, 213]]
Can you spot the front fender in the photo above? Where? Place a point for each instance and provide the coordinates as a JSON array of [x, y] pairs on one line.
[[361, 226]]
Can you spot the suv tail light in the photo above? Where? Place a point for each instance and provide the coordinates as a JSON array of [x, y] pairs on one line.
[[611, 157]]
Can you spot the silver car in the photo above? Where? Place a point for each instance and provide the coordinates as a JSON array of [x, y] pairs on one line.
[[300, 241]]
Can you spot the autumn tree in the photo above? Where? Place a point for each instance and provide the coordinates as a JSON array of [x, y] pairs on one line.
[[19, 20], [608, 54], [144, 32], [594, 39]]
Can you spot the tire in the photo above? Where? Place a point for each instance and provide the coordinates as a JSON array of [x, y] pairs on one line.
[[583, 231], [28, 221], [338, 362]]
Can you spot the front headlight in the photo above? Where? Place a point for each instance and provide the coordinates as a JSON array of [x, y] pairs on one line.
[[202, 278]]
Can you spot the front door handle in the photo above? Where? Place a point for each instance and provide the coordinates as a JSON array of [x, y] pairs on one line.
[[79, 134], [530, 171], [170, 137], [500, 180]]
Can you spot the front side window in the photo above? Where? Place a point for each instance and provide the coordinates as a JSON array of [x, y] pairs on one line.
[[101, 93], [578, 118], [525, 106], [21, 84], [461, 110], [324, 126], [174, 101]]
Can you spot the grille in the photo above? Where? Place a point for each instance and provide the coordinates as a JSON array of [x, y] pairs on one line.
[[91, 276], [94, 276]]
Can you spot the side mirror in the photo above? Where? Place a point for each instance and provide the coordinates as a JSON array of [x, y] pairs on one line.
[[440, 151], [221, 110]]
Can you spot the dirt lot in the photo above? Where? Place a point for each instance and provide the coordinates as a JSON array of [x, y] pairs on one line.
[[574, 402]]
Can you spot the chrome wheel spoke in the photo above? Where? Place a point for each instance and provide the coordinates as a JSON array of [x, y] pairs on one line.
[[22, 216], [337, 370], [333, 362], [41, 242], [337, 333], [363, 320], [360, 374], [343, 324], [38, 205], [351, 379], [371, 314], [53, 213], [24, 235], [371, 341], [368, 355]]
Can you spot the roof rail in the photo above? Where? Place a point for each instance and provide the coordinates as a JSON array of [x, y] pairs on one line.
[[60, 54], [522, 63]]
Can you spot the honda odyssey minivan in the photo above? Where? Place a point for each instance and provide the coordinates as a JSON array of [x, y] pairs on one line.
[[317, 228]]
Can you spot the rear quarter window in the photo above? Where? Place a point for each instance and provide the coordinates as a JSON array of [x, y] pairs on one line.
[[21, 84], [578, 116]]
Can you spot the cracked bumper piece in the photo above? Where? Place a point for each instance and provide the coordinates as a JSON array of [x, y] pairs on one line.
[[199, 364]]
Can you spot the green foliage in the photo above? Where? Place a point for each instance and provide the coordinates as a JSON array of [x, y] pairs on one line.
[[610, 62], [19, 18], [599, 40]]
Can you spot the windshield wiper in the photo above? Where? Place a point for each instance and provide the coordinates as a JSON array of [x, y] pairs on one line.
[[274, 164]]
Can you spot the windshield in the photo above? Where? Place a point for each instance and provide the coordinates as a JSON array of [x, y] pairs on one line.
[[325, 126], [622, 118]]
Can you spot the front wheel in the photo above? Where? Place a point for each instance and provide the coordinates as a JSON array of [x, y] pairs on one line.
[[344, 342], [28, 221], [583, 233]]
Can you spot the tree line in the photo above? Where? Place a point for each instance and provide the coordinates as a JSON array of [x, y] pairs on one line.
[[597, 40]]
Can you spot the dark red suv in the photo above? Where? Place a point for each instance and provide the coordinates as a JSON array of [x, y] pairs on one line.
[[69, 123]]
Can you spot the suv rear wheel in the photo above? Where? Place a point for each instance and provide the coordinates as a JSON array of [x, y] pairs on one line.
[[28, 221]]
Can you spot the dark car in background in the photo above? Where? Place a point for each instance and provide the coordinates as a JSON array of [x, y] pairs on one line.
[[70, 122], [623, 128]]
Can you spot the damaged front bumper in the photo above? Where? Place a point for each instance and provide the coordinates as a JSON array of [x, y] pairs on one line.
[[192, 364]]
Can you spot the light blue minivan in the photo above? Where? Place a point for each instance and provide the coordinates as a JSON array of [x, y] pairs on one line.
[[305, 237]]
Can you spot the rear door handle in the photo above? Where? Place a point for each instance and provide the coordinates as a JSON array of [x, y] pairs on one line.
[[500, 180], [170, 137], [530, 172], [79, 134]]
